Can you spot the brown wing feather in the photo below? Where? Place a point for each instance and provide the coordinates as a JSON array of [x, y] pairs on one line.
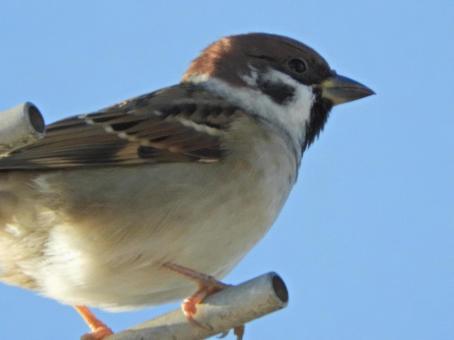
[[176, 124]]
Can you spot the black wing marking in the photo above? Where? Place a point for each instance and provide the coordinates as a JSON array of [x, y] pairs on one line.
[[176, 124]]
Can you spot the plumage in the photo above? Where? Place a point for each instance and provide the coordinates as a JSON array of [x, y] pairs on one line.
[[193, 175], [175, 124]]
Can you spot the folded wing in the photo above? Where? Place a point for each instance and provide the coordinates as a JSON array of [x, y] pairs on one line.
[[177, 124]]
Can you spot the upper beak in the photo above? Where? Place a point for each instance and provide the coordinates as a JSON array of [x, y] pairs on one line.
[[340, 89]]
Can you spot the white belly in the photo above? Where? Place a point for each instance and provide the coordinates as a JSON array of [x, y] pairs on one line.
[[103, 246]]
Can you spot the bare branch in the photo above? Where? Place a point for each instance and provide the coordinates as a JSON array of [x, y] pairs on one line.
[[220, 312], [20, 126]]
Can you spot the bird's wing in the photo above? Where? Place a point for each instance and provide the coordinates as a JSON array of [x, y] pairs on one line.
[[176, 124]]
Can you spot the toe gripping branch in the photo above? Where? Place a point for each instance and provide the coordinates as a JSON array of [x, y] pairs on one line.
[[227, 309]]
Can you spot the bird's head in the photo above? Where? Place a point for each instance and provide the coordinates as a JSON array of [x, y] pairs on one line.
[[276, 78]]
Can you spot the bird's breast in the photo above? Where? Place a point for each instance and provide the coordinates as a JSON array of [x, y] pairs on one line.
[[112, 228]]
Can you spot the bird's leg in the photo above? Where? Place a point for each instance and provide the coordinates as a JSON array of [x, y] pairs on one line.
[[208, 285], [99, 329]]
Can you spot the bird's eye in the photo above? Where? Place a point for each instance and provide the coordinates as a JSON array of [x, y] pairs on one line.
[[297, 65]]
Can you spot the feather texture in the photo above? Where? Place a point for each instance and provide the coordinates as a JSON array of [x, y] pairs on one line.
[[175, 124]]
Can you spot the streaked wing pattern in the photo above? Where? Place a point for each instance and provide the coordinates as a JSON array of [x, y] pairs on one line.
[[175, 124]]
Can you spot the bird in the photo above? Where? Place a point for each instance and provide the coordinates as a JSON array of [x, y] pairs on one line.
[[158, 197]]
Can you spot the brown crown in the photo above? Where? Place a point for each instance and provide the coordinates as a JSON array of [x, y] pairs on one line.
[[230, 57]]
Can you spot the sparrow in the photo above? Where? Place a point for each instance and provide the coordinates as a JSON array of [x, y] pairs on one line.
[[146, 201]]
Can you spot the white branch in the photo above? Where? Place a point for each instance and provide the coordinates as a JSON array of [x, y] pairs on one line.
[[234, 306], [20, 126]]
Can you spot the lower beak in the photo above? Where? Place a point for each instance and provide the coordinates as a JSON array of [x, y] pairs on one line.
[[340, 89]]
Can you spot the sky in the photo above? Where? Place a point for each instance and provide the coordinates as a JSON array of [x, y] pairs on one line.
[[365, 241]]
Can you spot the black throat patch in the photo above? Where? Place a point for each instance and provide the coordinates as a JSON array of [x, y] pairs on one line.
[[319, 115], [279, 92]]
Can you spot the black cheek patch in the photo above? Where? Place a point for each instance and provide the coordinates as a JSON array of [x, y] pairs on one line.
[[279, 93]]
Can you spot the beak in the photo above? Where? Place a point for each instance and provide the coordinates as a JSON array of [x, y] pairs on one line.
[[340, 89]]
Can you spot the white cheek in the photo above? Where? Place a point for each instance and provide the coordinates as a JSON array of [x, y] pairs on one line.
[[291, 117]]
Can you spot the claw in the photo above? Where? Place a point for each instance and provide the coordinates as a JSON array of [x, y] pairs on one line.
[[97, 334], [239, 332], [208, 285]]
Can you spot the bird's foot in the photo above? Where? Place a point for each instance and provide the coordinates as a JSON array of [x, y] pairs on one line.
[[208, 285], [97, 334], [99, 330]]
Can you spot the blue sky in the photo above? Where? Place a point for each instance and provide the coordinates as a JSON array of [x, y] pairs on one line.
[[366, 239]]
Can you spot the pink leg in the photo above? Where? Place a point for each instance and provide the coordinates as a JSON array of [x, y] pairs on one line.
[[99, 329], [208, 285]]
